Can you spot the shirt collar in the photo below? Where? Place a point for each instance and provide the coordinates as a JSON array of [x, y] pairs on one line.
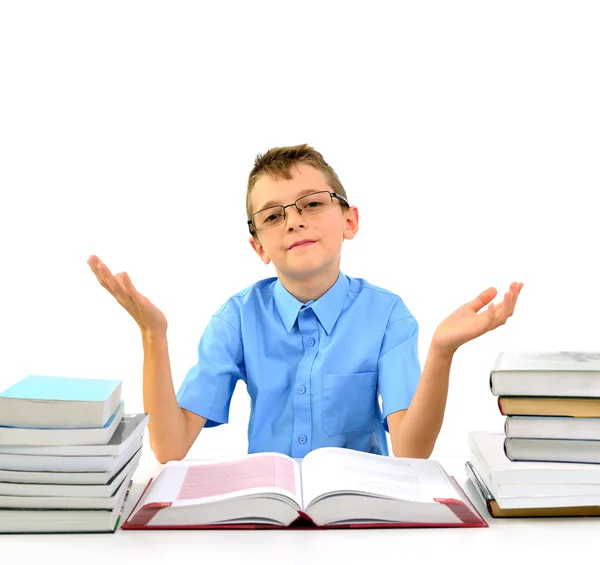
[[327, 308]]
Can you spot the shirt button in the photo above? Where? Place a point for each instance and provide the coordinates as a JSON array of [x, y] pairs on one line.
[[301, 389], [302, 439], [311, 341]]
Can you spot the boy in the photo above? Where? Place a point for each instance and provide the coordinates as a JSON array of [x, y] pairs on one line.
[[315, 347]]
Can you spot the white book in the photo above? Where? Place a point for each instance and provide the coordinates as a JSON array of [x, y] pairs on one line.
[[546, 373], [488, 448], [129, 429], [69, 502], [63, 477], [68, 463], [563, 450], [527, 511], [552, 427], [38, 401], [46, 520], [63, 436], [71, 490], [538, 495]]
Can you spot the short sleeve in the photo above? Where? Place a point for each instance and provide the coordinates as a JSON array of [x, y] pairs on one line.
[[208, 386], [399, 369]]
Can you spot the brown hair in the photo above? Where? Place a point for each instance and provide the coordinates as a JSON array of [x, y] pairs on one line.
[[277, 162]]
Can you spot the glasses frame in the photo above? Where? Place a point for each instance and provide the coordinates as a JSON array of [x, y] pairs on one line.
[[252, 225]]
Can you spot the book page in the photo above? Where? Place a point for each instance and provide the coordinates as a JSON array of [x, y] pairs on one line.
[[329, 470], [196, 482]]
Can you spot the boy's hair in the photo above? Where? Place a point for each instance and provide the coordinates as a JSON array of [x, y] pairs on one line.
[[277, 162]]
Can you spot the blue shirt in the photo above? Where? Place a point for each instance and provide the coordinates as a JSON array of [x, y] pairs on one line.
[[315, 372]]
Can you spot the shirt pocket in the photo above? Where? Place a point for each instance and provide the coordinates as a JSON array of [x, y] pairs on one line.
[[348, 402]]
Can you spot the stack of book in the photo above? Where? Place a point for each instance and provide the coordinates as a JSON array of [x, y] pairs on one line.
[[546, 463], [530, 488], [67, 455]]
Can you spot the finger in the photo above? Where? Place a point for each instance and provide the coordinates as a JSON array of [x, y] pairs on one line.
[[92, 262], [510, 303], [496, 314], [125, 284], [515, 290], [491, 313], [95, 264], [507, 306], [516, 287], [505, 309], [519, 287], [104, 274], [110, 282]]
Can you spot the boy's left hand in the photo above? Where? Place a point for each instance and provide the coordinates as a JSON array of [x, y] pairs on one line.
[[466, 324]]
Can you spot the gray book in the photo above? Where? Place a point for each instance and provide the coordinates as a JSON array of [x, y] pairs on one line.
[[553, 450], [552, 427], [130, 428]]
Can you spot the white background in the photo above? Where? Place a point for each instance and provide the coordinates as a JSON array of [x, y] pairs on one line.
[[467, 133]]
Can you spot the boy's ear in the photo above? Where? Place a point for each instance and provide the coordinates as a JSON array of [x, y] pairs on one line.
[[351, 227], [257, 246]]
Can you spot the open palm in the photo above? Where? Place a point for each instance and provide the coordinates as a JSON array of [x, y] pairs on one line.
[[148, 317], [467, 323]]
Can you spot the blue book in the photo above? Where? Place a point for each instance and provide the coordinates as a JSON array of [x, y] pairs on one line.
[[59, 402]]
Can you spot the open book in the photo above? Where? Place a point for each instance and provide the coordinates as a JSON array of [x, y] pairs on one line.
[[330, 487]]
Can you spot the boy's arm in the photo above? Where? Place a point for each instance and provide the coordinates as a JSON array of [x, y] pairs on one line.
[[172, 429], [414, 431]]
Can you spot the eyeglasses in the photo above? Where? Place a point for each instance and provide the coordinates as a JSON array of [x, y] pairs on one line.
[[308, 205]]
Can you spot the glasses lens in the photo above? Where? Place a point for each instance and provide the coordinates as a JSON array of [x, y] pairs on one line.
[[269, 217], [314, 203]]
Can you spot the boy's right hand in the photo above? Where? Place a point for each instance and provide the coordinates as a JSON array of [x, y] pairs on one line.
[[147, 316]]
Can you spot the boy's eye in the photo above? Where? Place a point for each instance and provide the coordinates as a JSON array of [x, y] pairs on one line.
[[271, 218], [313, 204]]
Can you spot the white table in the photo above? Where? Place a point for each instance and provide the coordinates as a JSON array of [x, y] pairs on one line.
[[515, 540]]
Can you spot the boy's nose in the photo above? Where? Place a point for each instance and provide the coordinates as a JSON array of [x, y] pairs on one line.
[[293, 219]]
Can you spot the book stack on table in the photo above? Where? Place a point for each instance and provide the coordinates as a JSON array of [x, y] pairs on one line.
[[67, 455], [547, 460]]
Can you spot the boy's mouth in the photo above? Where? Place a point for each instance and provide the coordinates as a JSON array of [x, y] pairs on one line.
[[301, 243]]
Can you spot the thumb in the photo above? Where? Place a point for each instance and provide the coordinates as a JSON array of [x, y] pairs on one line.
[[483, 298], [127, 283]]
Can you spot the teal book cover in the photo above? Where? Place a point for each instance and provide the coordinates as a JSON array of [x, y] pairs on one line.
[[36, 387]]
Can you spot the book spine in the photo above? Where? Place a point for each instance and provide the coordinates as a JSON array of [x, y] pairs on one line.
[[461, 510], [505, 446], [144, 515], [500, 406], [493, 370]]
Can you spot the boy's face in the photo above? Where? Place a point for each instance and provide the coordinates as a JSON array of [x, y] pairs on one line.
[[326, 230]]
